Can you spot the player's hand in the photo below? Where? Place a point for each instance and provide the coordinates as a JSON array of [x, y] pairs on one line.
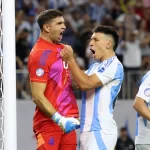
[[67, 53], [66, 124]]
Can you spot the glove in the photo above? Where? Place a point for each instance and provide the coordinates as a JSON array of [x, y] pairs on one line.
[[66, 124]]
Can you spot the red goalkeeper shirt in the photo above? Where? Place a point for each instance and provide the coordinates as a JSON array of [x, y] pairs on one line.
[[46, 66]]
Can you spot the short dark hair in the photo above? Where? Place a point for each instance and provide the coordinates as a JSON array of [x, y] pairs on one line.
[[108, 30], [47, 16], [122, 129]]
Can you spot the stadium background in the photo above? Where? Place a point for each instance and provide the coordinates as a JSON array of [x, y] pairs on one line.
[[131, 18]]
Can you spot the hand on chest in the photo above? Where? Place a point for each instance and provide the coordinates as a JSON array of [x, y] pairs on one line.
[[59, 72]]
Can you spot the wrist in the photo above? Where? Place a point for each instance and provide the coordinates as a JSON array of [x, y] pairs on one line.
[[56, 117], [71, 60]]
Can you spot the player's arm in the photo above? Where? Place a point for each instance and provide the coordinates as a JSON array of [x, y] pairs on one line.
[[141, 99], [40, 100], [67, 124], [75, 85], [84, 81], [140, 106]]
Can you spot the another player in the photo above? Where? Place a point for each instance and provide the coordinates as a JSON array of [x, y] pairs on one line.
[[54, 119], [142, 106], [101, 83]]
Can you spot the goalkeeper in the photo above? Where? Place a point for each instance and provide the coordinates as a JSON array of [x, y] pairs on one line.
[[56, 111]]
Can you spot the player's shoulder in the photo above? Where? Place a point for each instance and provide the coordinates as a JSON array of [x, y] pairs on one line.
[[43, 45], [118, 64], [42, 49], [114, 67], [112, 63], [147, 74], [41, 56], [117, 61], [146, 77], [36, 54]]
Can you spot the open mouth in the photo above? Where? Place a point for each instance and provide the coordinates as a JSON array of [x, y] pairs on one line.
[[61, 33], [92, 51]]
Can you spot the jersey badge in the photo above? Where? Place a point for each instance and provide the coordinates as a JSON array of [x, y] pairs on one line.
[[39, 72], [147, 92]]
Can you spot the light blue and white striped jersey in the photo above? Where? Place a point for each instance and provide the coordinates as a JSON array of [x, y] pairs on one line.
[[143, 125], [98, 104]]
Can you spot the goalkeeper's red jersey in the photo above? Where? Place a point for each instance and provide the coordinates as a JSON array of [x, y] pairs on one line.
[[46, 66]]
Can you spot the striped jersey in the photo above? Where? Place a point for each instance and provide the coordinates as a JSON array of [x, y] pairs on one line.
[[143, 125], [98, 104]]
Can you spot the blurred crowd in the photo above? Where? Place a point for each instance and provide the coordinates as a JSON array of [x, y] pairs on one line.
[[124, 141], [131, 18]]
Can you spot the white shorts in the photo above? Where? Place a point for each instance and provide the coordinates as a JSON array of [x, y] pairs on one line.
[[97, 140]]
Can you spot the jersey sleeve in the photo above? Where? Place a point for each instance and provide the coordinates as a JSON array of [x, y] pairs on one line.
[[144, 91], [85, 71], [39, 67], [108, 73]]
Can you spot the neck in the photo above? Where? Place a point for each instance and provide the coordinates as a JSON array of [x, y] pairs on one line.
[[46, 38], [107, 56]]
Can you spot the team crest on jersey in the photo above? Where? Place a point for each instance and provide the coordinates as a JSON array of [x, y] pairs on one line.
[[147, 92], [39, 72]]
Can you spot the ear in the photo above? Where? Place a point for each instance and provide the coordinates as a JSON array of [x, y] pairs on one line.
[[46, 27], [109, 45]]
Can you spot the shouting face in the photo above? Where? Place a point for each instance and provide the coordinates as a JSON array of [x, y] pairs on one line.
[[55, 29], [99, 45]]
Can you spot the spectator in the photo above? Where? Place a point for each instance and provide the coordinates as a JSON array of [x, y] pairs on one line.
[[132, 50], [119, 50], [22, 45], [20, 19], [129, 19], [143, 34], [32, 27], [98, 10], [124, 142]]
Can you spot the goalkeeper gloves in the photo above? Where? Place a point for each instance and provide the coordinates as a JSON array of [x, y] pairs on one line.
[[66, 124]]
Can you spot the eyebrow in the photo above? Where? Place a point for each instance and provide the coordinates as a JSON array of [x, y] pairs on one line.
[[61, 22], [93, 38]]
